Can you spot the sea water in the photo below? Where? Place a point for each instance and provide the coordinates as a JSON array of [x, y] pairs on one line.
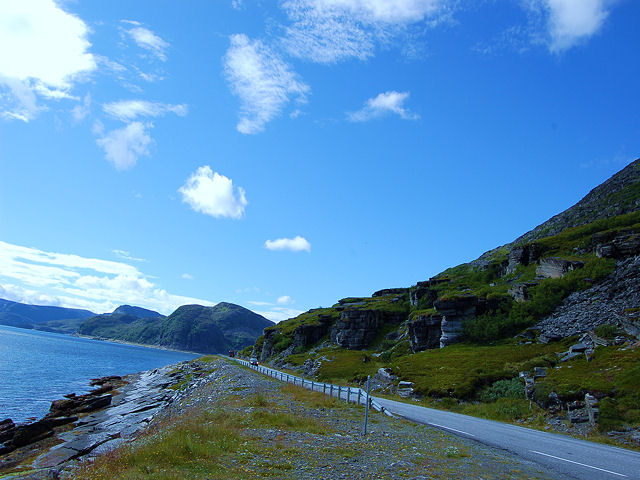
[[39, 367]]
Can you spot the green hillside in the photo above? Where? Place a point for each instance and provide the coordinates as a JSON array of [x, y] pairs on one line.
[[191, 327]]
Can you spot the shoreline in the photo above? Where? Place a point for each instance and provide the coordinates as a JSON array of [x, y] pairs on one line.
[[134, 344], [84, 426]]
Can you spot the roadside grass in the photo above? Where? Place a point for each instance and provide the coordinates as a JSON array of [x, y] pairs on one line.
[[461, 370], [312, 399], [192, 446], [203, 444], [350, 366]]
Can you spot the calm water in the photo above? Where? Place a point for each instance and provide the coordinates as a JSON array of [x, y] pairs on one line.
[[38, 367]]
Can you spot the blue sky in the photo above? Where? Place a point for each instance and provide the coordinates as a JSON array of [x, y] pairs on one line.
[[282, 155]]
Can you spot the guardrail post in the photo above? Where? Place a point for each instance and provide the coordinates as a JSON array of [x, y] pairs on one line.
[[339, 392], [348, 394], [359, 393], [312, 386], [331, 390], [366, 408], [324, 388]]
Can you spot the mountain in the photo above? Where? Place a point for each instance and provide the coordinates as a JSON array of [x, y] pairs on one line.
[[137, 312], [32, 316], [558, 301], [191, 327]]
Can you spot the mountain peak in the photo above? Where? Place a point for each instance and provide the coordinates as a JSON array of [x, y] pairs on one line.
[[137, 312]]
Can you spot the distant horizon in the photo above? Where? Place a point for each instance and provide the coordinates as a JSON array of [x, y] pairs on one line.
[[282, 156]]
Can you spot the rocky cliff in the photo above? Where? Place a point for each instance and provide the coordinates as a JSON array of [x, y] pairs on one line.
[[544, 277]]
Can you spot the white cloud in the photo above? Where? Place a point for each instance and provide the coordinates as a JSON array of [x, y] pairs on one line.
[[213, 194], [328, 31], [384, 104], [186, 276], [148, 40], [570, 22], [285, 300], [123, 254], [127, 110], [124, 146], [263, 82], [35, 276], [296, 244], [83, 109], [49, 52]]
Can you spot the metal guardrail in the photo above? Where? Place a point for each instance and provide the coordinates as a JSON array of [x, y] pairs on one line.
[[350, 394]]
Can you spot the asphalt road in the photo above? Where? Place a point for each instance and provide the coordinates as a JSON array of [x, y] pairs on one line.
[[568, 456]]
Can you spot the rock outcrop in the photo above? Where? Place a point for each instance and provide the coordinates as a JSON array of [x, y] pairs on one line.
[[308, 334], [621, 244], [614, 301], [425, 332], [522, 255], [554, 267], [356, 329]]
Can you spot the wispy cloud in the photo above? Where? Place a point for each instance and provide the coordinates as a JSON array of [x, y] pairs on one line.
[[49, 53], [264, 83], [124, 146], [123, 254], [80, 111], [127, 110], [296, 244], [208, 192], [148, 40], [329, 31], [186, 276], [48, 278], [386, 103]]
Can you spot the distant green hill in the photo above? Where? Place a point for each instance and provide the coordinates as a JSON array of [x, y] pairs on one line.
[[191, 327], [22, 315]]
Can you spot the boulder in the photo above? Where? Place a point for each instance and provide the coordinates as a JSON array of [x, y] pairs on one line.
[[78, 404], [578, 347], [405, 389]]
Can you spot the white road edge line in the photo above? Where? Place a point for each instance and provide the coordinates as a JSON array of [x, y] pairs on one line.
[[449, 428], [578, 463]]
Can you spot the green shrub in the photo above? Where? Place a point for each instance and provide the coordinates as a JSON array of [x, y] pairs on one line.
[[607, 331], [513, 388]]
